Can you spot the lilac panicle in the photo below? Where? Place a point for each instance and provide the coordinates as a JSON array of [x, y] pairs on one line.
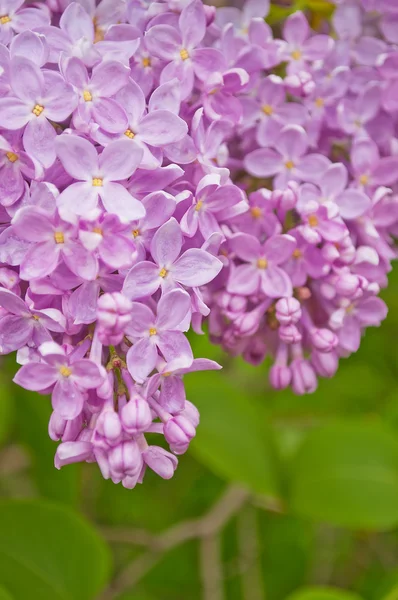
[[156, 173]]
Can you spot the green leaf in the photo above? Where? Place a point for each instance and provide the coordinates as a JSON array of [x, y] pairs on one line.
[[347, 474], [232, 440], [392, 595], [5, 594], [323, 593], [50, 552], [6, 407]]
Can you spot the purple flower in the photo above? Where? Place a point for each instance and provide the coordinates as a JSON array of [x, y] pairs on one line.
[[299, 46], [23, 325], [262, 270], [67, 378], [15, 19], [195, 267], [163, 333], [288, 161], [98, 177]]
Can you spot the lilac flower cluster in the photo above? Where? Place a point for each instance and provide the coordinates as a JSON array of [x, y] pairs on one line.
[[156, 173]]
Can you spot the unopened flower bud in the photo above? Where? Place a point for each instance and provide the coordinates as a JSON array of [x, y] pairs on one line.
[[304, 380], [136, 415], [289, 334], [159, 460], [280, 377], [288, 311], [178, 432], [324, 340]]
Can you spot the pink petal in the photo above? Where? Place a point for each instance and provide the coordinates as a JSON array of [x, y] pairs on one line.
[[33, 225], [36, 376], [67, 400], [109, 77], [162, 127], [78, 156], [166, 243], [77, 199], [172, 309], [80, 261], [276, 283], [166, 97], [175, 348], [196, 267], [279, 248], [27, 80], [163, 41], [119, 160], [334, 180], [15, 332], [77, 23], [110, 115], [76, 73], [118, 201], [14, 113], [296, 29], [263, 162], [244, 280], [192, 23], [39, 140], [141, 359], [13, 303], [246, 246], [292, 142], [41, 260], [142, 280], [142, 320], [353, 203], [132, 99], [87, 374]]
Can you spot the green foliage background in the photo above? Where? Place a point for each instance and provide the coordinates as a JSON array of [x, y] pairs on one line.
[[280, 497]]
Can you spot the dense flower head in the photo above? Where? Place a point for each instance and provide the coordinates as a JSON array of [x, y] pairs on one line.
[[165, 165]]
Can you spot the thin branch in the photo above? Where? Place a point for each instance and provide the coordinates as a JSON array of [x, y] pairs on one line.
[[250, 568], [211, 567], [207, 526]]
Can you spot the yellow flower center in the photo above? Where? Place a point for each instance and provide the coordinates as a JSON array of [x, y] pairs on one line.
[[65, 371], [297, 253], [163, 273], [12, 157], [99, 33], [364, 179], [136, 233], [289, 165], [256, 212], [37, 110], [262, 263], [98, 230], [296, 55], [152, 331], [87, 96], [36, 318], [267, 109], [199, 205], [4, 19], [349, 309], [319, 102], [184, 54], [97, 182], [59, 237], [146, 61], [130, 134], [313, 220]]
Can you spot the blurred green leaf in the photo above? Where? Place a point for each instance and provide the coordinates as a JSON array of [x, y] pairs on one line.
[[232, 440], [6, 407], [50, 553], [33, 416], [4, 594], [392, 594], [347, 474], [323, 593], [281, 537]]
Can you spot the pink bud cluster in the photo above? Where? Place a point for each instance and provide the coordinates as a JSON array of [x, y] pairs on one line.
[[165, 163]]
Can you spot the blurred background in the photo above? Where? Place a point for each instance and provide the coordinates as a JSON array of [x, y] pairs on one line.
[[280, 497]]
